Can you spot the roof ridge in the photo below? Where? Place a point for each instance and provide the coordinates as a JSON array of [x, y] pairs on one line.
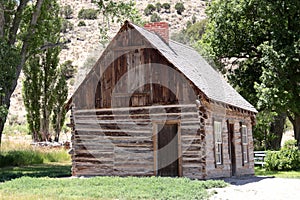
[[185, 45]]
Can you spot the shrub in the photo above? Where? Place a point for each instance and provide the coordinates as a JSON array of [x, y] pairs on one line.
[[155, 18], [166, 6], [67, 11], [288, 158], [66, 26], [149, 9], [69, 70], [158, 6], [179, 7], [81, 23], [87, 14], [27, 155]]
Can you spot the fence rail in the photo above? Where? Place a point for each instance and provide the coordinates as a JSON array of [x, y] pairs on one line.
[[259, 157]]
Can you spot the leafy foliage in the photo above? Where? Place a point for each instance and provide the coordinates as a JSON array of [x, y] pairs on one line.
[[179, 7], [155, 18], [116, 11], [166, 6], [288, 158], [149, 9], [158, 7], [81, 23], [66, 26], [191, 34], [67, 12], [257, 44], [59, 112], [88, 13], [43, 85], [32, 156]]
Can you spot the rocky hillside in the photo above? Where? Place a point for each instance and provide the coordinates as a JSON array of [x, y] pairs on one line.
[[84, 48]]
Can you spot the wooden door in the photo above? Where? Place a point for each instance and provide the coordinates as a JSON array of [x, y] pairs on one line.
[[231, 148], [167, 150]]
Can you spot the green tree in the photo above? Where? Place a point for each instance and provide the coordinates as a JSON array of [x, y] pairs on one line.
[[19, 30], [258, 43], [17, 43], [31, 95], [179, 7], [41, 75], [60, 95]]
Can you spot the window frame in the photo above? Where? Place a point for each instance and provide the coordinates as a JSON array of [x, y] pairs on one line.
[[245, 144], [218, 142]]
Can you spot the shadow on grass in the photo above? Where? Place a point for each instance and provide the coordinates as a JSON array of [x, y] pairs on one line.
[[52, 170]]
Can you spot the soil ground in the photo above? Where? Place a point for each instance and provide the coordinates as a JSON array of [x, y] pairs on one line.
[[258, 188]]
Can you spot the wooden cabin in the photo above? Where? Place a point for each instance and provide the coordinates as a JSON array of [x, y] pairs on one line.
[[154, 107]]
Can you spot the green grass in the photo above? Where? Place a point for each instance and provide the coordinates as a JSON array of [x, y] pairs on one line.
[[279, 174], [37, 171], [107, 188], [32, 156]]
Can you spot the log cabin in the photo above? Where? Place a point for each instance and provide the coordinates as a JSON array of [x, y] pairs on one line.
[[151, 106]]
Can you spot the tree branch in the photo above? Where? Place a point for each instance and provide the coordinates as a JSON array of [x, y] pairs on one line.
[[17, 21], [52, 45], [30, 33], [291, 118]]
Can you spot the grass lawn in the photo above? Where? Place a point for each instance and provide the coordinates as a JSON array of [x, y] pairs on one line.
[[107, 188], [279, 174], [37, 171]]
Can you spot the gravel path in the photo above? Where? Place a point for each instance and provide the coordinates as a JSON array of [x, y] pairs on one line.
[[258, 188]]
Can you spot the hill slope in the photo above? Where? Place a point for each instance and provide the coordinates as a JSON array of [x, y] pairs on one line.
[[84, 48]]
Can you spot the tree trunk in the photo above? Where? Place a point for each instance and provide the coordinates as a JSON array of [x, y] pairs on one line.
[[296, 125], [2, 20], [30, 33], [277, 128]]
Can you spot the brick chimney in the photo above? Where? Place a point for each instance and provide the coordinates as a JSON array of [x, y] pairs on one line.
[[160, 28]]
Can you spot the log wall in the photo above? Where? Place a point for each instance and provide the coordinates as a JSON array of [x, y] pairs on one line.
[[237, 117], [120, 141]]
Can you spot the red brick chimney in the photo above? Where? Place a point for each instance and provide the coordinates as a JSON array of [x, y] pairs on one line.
[[160, 28]]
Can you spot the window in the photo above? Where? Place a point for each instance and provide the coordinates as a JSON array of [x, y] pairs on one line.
[[218, 142], [244, 144]]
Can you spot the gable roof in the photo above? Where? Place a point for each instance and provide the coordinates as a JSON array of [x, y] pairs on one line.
[[197, 70]]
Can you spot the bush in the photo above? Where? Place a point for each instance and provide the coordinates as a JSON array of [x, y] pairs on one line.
[[32, 156], [81, 23], [69, 70], [166, 6], [87, 14], [66, 26], [179, 7], [67, 11], [158, 6], [149, 9], [288, 158], [155, 18]]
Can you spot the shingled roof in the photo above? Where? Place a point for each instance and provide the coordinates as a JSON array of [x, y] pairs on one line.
[[197, 70]]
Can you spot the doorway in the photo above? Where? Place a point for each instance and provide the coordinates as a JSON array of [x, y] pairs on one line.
[[231, 147], [167, 150]]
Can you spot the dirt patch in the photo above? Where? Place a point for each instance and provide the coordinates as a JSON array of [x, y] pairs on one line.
[[258, 188]]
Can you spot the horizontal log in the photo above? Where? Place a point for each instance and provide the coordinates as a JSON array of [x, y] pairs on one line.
[[134, 108]]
